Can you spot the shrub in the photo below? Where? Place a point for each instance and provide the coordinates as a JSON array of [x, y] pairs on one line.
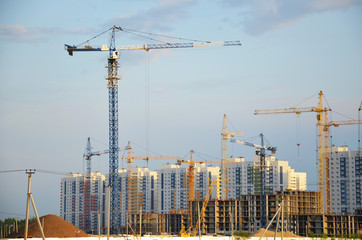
[[241, 234], [311, 234], [324, 235]]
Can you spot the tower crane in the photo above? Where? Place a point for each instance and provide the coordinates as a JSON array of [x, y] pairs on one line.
[[262, 166], [89, 154], [225, 136], [87, 184], [321, 166], [113, 79]]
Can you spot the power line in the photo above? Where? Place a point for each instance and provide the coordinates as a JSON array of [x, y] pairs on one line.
[[9, 171], [17, 214], [51, 172], [35, 170]]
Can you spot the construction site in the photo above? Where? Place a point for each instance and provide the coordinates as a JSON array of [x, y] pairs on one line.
[[211, 198], [203, 200]]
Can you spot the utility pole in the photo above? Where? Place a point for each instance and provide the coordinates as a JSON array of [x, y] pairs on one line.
[[99, 222], [127, 225], [232, 222], [140, 222], [108, 210], [27, 204], [198, 213], [282, 218], [271, 221], [30, 197]]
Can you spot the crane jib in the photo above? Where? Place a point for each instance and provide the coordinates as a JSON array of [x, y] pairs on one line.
[[147, 47]]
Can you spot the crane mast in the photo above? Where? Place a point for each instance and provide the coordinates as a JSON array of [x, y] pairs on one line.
[[113, 80], [321, 166], [225, 136]]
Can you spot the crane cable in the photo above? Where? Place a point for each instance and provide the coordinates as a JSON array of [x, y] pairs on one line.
[[298, 133], [93, 37], [139, 34], [147, 103], [359, 131], [160, 35]]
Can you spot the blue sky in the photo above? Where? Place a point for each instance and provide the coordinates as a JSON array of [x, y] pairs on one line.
[[51, 102]]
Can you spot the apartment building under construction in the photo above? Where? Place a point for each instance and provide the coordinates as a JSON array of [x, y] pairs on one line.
[[222, 217], [301, 215]]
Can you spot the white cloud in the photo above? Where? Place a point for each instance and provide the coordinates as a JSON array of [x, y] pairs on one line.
[[17, 33], [20, 33], [331, 4], [260, 16], [160, 90], [158, 18]]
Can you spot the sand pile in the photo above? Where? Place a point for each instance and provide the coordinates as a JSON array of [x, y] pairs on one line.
[[53, 226], [271, 234]]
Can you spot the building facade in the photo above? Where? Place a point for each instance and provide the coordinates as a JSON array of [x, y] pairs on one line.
[[80, 200], [345, 180], [173, 181], [139, 194], [244, 177]]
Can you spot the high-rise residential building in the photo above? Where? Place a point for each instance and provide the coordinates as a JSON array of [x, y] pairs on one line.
[[204, 174], [165, 189], [297, 180], [172, 188], [139, 193], [244, 177], [173, 181], [345, 180], [72, 200]]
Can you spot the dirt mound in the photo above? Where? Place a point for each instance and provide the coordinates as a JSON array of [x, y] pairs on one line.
[[271, 234], [53, 226]]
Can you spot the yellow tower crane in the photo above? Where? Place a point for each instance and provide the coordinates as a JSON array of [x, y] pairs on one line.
[[321, 166], [191, 180], [187, 233], [225, 136]]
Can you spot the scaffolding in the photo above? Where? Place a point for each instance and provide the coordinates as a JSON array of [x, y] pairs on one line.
[[154, 223], [226, 216]]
